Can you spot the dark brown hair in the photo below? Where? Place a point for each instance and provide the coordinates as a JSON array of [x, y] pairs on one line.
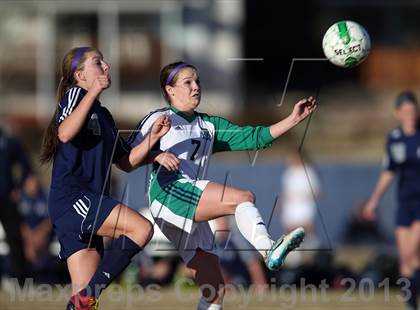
[[164, 74], [406, 96], [50, 140]]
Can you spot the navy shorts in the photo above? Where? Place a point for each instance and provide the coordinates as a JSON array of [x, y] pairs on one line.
[[408, 212], [76, 229]]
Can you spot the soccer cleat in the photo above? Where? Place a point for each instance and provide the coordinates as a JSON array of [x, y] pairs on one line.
[[80, 302], [278, 252]]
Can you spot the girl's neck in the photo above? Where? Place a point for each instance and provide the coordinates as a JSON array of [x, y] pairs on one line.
[[408, 130], [82, 85], [184, 111]]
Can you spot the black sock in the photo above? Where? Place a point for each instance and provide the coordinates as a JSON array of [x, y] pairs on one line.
[[115, 259]]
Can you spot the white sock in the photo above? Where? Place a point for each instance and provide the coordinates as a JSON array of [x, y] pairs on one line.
[[205, 305], [252, 227]]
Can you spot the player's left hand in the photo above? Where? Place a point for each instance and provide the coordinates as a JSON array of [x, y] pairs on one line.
[[161, 126], [168, 160], [303, 108]]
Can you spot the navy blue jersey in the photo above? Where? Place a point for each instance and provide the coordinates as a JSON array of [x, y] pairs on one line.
[[83, 163], [403, 157]]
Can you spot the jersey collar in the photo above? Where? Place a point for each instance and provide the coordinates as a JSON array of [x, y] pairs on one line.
[[188, 118]]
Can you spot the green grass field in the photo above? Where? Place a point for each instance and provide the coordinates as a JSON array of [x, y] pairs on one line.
[[114, 298]]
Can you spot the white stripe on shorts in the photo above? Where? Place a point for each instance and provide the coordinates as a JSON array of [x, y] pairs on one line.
[[81, 210], [82, 204], [78, 211], [161, 211]]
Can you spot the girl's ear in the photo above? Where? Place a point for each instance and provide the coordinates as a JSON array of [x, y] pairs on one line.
[[79, 75], [170, 90]]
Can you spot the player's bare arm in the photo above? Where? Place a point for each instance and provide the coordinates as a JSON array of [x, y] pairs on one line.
[[138, 155], [71, 126], [302, 109], [384, 181]]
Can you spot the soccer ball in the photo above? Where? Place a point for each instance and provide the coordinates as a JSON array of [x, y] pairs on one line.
[[346, 44]]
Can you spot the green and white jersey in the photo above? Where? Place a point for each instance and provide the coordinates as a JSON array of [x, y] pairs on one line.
[[194, 138], [174, 196]]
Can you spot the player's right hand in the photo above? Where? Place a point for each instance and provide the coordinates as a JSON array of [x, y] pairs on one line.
[[369, 211], [168, 160], [302, 109], [100, 83], [161, 126]]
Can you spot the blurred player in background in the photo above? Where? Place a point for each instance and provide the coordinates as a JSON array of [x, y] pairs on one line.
[[80, 140], [12, 155], [300, 188], [36, 227], [182, 201], [403, 159]]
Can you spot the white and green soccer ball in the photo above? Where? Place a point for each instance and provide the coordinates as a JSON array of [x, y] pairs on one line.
[[346, 44]]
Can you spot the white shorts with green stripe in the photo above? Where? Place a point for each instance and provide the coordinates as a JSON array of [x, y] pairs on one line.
[[173, 208], [177, 201], [187, 244]]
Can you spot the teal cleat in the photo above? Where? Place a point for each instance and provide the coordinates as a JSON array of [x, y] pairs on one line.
[[283, 246]]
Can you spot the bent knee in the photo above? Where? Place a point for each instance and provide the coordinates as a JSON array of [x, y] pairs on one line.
[[150, 230], [246, 196], [141, 232], [408, 256], [413, 260], [146, 229]]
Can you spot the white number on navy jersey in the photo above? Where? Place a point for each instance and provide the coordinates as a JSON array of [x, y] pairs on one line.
[[94, 125]]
